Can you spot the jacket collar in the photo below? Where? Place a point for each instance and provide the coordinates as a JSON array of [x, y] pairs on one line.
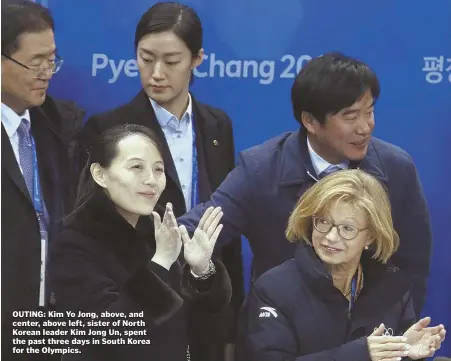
[[205, 128], [145, 115], [384, 284], [314, 270], [319, 163], [296, 164], [57, 116], [164, 117], [99, 219], [11, 120]]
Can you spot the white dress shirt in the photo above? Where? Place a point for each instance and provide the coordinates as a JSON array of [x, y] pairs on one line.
[[11, 121], [179, 136], [320, 164]]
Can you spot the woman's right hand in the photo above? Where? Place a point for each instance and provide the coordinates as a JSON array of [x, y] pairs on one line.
[[386, 348], [167, 238]]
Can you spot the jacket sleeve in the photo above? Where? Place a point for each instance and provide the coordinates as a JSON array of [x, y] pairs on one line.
[[232, 255], [77, 282], [266, 335], [208, 301], [412, 222], [233, 196], [407, 319], [208, 296]]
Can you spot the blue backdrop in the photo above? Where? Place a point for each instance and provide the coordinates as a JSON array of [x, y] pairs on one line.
[[254, 49]]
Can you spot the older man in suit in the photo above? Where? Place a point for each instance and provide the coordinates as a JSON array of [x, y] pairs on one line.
[[37, 133]]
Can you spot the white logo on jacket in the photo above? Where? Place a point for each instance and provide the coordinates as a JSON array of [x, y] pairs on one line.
[[267, 312]]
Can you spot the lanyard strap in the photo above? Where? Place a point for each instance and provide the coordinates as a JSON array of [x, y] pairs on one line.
[[37, 197], [41, 212], [195, 183], [353, 293]]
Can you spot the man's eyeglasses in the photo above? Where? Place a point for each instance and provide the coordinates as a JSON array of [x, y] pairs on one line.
[[38, 72], [346, 231]]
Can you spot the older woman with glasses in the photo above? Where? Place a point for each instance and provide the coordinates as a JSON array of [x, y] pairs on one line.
[[339, 298]]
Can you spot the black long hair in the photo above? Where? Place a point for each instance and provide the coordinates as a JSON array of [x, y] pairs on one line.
[[103, 151]]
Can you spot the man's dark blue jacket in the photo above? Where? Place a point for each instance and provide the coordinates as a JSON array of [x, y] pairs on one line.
[[295, 313], [258, 196]]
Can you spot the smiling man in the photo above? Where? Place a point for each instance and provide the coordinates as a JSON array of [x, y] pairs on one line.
[[333, 99], [36, 163]]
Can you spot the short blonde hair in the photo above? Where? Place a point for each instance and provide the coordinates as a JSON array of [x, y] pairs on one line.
[[354, 187]]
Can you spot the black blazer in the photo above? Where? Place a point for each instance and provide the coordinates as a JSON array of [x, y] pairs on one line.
[[101, 263], [215, 149], [54, 126]]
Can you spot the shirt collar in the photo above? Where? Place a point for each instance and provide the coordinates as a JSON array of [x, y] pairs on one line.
[[164, 116], [319, 163], [11, 120]]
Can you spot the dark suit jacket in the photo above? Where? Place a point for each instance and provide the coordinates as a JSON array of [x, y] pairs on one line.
[[54, 126], [215, 149]]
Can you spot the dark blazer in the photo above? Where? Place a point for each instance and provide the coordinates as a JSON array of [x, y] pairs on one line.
[[54, 126], [101, 263], [258, 196], [309, 320], [215, 149]]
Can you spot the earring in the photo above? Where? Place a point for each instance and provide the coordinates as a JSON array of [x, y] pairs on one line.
[[366, 247]]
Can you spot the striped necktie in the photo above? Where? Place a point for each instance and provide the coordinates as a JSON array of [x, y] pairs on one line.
[[26, 163], [26, 154], [26, 158]]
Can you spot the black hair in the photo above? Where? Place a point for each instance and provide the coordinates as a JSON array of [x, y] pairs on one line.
[[176, 17], [103, 151], [19, 17], [330, 83]]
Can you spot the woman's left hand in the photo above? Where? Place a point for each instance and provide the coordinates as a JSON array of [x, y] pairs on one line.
[[424, 340], [198, 250]]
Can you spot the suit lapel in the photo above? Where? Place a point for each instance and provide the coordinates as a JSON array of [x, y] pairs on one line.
[[50, 149], [206, 134], [144, 115], [47, 143], [9, 164]]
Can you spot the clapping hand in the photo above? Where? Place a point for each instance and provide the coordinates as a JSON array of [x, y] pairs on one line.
[[386, 348], [167, 238], [424, 340], [198, 250]]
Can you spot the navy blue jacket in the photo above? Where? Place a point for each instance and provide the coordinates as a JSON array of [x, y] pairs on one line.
[[258, 196], [295, 313]]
